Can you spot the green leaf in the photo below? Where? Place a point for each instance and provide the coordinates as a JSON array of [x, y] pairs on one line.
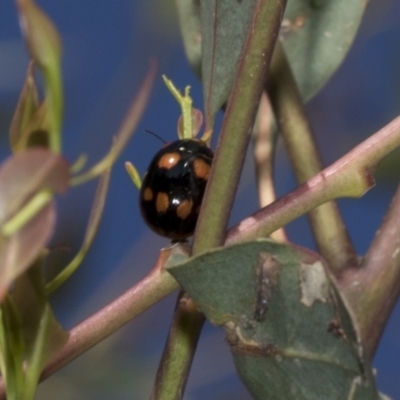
[[224, 26], [23, 178], [25, 174], [190, 25], [28, 104], [43, 335], [317, 35], [12, 350], [290, 332], [44, 44], [18, 251]]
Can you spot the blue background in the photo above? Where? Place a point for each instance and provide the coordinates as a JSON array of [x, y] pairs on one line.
[[107, 47]]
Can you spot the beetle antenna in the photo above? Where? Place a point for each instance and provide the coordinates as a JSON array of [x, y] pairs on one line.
[[155, 135]]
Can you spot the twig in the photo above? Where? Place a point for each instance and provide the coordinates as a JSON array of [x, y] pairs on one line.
[[328, 228], [225, 173], [264, 150], [350, 176], [374, 288]]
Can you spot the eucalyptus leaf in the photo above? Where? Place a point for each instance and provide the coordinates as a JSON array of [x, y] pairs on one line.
[[44, 45], [316, 35], [290, 332], [224, 26], [190, 25]]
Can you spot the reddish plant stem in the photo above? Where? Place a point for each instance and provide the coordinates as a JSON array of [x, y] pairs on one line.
[[350, 176], [158, 283], [374, 288], [154, 287]]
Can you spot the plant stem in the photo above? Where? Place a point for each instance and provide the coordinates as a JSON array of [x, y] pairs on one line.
[[27, 213], [328, 228], [264, 150], [154, 287], [374, 287], [350, 176], [237, 125], [185, 103], [181, 346], [218, 200]]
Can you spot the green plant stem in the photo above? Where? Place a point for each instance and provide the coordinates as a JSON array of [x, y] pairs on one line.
[[328, 228], [181, 344], [218, 200], [185, 103], [374, 288], [32, 373], [237, 125], [54, 96], [264, 150], [29, 211]]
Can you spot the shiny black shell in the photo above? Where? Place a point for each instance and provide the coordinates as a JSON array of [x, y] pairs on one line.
[[173, 188]]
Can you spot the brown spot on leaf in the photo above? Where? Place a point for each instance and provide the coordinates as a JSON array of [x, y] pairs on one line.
[[267, 278], [255, 351], [335, 327]]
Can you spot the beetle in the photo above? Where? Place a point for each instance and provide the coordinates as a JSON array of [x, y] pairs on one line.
[[173, 187]]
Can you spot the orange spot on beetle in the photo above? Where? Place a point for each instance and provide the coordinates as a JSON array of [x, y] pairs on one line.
[[147, 194], [162, 202], [168, 160], [201, 168], [184, 209]]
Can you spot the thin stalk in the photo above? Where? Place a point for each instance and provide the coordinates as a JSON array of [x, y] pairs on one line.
[[27, 213], [350, 176], [374, 288], [154, 287], [185, 103], [238, 122], [264, 150], [218, 200], [327, 225], [181, 343]]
